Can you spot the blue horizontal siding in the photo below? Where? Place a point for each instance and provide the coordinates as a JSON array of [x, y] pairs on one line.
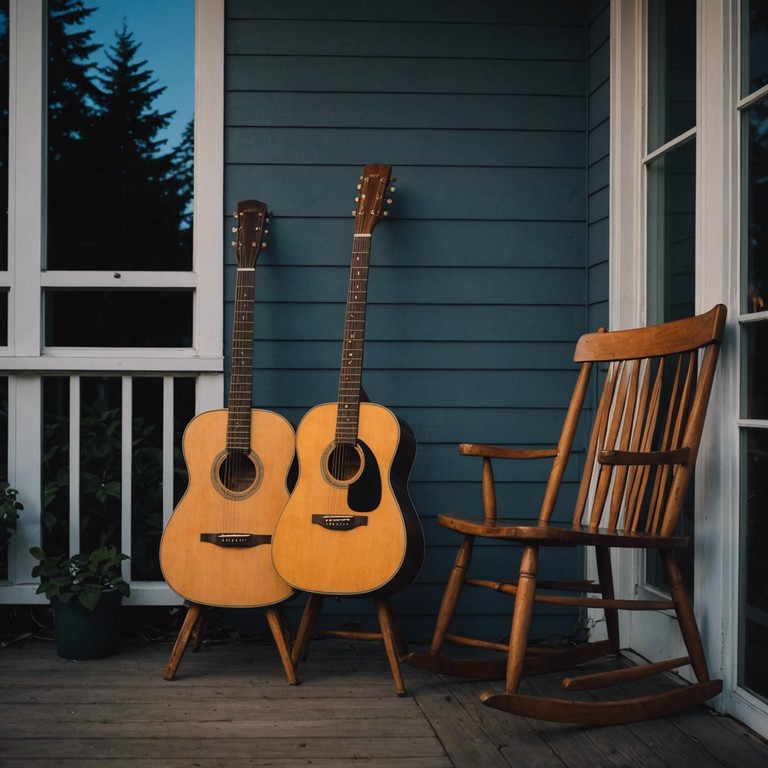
[[494, 118]]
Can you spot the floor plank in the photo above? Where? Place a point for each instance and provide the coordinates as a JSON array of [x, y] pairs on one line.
[[230, 705]]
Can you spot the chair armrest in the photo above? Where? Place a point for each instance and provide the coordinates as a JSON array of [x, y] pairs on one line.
[[500, 452], [679, 456]]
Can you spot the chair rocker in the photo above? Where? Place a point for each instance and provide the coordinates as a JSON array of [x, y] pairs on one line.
[[638, 463]]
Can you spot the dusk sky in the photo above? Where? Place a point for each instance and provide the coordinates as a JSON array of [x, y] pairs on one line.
[[166, 31]]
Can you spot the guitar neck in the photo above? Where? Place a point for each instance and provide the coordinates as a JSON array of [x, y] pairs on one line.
[[240, 385], [351, 375]]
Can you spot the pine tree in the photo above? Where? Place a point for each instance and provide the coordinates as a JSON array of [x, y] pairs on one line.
[[71, 99], [138, 196]]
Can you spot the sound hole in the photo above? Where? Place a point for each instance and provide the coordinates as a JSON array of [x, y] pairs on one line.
[[343, 463], [237, 474]]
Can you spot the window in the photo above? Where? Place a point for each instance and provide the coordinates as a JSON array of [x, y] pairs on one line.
[[108, 278], [670, 165], [753, 595]]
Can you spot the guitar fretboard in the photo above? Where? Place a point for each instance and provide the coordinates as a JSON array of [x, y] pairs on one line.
[[239, 418], [350, 379]]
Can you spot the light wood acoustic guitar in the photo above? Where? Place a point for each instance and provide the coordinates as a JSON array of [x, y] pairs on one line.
[[217, 546], [350, 527]]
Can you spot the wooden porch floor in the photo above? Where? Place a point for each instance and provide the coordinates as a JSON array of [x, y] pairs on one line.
[[230, 706]]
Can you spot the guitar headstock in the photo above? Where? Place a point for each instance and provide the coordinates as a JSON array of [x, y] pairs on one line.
[[372, 197], [251, 216]]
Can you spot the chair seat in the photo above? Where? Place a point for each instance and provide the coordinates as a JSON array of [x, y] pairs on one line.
[[515, 529]]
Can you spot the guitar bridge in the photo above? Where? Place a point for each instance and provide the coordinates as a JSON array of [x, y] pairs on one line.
[[339, 522], [241, 540]]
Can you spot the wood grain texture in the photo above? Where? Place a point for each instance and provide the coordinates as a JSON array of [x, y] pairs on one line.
[[228, 576], [386, 553]]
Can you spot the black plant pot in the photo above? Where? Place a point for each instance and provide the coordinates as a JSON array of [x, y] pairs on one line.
[[82, 634]]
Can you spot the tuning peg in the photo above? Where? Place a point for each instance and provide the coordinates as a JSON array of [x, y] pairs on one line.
[[391, 189], [354, 213], [234, 214], [233, 243], [266, 231], [389, 201], [264, 245], [385, 213], [392, 179], [234, 229]]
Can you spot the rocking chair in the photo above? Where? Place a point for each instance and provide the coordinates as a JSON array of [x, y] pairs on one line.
[[638, 463]]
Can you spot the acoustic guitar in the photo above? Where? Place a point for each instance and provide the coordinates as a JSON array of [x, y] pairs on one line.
[[349, 527], [217, 546]]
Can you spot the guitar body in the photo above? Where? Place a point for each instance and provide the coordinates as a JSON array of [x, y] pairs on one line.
[[203, 554], [351, 531]]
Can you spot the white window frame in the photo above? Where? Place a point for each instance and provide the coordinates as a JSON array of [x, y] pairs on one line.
[[25, 358], [717, 280]]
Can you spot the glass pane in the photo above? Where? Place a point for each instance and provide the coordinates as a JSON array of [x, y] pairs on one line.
[[671, 286], [753, 656], [671, 234], [671, 70], [4, 79], [755, 405], [755, 204], [120, 138], [755, 41], [118, 318]]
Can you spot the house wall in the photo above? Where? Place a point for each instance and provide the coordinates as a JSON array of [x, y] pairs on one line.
[[494, 258]]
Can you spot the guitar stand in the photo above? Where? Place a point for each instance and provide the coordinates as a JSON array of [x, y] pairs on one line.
[[389, 633], [195, 622]]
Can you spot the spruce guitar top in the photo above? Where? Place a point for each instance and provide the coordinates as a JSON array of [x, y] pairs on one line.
[[350, 526], [216, 548]]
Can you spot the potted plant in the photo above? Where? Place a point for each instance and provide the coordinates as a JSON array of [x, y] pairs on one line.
[[9, 512], [85, 591]]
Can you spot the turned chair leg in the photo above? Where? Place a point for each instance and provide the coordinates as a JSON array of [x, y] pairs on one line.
[[521, 618], [605, 576], [452, 594], [686, 620]]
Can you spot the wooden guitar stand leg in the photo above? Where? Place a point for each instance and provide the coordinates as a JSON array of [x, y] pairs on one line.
[[389, 633], [193, 619], [197, 618]]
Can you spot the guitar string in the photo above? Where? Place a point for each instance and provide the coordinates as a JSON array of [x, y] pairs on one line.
[[237, 457], [346, 459]]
